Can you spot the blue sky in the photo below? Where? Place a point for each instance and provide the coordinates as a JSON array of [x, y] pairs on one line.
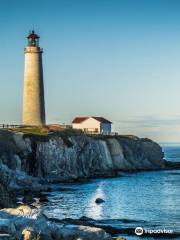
[[114, 58]]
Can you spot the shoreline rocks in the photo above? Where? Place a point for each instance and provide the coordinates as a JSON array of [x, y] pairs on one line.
[[28, 224], [30, 163]]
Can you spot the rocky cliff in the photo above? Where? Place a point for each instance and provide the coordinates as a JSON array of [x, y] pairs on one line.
[[62, 156], [29, 162]]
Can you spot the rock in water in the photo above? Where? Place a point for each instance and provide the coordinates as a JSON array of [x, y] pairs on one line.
[[99, 200]]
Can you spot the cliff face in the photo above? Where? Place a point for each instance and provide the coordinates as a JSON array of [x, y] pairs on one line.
[[28, 162], [88, 157], [58, 156]]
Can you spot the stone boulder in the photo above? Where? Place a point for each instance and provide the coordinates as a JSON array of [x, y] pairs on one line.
[[27, 223], [70, 232]]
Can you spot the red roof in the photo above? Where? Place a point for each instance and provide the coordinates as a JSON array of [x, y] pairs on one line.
[[33, 35], [82, 119], [79, 119]]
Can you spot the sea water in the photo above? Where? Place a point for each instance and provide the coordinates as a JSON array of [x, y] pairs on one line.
[[151, 199]]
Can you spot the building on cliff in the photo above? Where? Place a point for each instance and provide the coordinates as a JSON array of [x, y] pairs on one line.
[[92, 124], [33, 97]]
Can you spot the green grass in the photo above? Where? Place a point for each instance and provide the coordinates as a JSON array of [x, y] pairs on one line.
[[43, 133], [40, 131]]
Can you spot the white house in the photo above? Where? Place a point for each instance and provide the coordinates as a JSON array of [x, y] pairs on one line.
[[92, 124]]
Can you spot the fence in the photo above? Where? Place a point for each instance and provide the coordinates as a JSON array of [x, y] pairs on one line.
[[101, 133], [10, 126], [31, 126]]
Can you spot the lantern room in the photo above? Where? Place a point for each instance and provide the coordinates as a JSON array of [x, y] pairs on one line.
[[33, 39]]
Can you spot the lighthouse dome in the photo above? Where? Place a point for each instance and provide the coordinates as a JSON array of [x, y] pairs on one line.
[[33, 39], [33, 35]]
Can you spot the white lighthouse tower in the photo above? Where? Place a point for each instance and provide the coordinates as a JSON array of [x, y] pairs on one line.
[[33, 98]]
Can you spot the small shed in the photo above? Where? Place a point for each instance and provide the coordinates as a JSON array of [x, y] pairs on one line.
[[92, 124]]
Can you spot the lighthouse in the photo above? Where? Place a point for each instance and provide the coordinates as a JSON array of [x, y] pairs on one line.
[[33, 96]]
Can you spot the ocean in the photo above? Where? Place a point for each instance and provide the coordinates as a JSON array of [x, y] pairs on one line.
[[150, 200]]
